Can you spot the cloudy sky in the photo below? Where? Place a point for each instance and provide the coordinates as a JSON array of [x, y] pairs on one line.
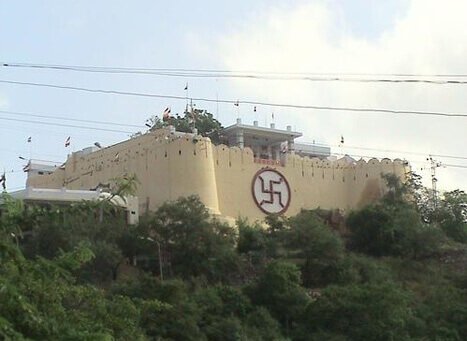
[[328, 37]]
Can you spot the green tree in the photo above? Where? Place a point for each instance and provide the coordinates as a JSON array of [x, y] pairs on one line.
[[322, 250], [200, 119], [393, 227], [452, 215], [251, 238], [359, 312], [124, 186], [383, 230], [256, 245], [279, 290], [192, 242], [99, 224], [442, 313], [41, 301]]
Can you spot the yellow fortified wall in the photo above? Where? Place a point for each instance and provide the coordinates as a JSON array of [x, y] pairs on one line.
[[169, 167]]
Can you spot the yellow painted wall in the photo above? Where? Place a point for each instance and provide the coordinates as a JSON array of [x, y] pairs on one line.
[[170, 166]]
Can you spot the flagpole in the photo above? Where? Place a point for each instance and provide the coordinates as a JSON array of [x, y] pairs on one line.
[[237, 104], [192, 116], [186, 95], [30, 149]]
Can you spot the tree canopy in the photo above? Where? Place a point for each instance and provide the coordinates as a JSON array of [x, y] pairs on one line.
[[78, 272], [200, 119]]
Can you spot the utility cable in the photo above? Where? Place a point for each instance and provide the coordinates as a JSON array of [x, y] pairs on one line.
[[68, 119], [209, 73], [238, 102], [130, 125], [66, 125], [385, 150]]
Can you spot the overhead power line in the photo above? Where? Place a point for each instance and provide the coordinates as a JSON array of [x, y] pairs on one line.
[[456, 166], [67, 118], [388, 150], [66, 125], [459, 157], [238, 102], [207, 73]]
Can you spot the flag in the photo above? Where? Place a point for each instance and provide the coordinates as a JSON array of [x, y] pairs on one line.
[[166, 114], [186, 87], [68, 141], [254, 109], [342, 139], [29, 139], [3, 181]]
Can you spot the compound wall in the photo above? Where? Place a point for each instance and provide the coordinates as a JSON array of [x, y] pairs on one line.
[[169, 166]]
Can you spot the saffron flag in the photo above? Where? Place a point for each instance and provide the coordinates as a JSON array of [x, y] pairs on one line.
[[68, 141]]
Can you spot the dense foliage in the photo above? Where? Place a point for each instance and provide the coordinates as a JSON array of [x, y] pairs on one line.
[[79, 273], [200, 119]]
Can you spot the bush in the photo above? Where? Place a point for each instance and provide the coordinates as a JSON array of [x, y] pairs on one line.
[[279, 290], [192, 243], [309, 238], [385, 230], [360, 312]]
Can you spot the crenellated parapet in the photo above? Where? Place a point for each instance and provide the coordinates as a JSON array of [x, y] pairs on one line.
[[314, 182], [169, 165]]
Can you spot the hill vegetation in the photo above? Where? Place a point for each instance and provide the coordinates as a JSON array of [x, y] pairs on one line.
[[397, 272]]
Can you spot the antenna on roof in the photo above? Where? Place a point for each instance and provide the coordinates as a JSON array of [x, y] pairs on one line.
[[237, 104]]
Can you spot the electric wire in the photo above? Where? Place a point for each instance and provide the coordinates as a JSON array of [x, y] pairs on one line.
[[237, 102], [66, 125], [210, 73], [131, 125], [388, 150], [68, 118], [456, 166]]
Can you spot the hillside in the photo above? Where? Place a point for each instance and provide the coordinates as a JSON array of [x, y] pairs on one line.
[[398, 273]]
